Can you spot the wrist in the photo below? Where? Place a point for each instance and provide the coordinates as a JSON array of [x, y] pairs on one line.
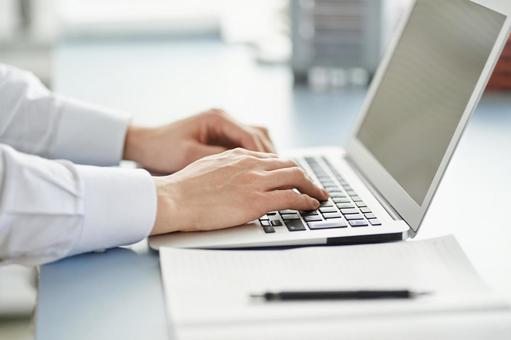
[[167, 209], [134, 143]]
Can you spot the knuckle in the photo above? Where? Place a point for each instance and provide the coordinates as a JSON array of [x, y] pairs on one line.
[[289, 196], [298, 173], [305, 198], [238, 151], [291, 163], [217, 111], [248, 161], [215, 114], [250, 177]]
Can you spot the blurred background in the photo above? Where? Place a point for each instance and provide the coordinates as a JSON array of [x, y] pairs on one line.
[[140, 50], [338, 39]]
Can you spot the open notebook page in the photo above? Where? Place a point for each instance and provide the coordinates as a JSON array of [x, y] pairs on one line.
[[212, 287]]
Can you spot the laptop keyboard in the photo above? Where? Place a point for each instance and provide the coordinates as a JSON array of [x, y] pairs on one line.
[[344, 208]]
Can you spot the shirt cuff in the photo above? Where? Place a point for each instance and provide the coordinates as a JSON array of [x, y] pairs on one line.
[[119, 207], [89, 134]]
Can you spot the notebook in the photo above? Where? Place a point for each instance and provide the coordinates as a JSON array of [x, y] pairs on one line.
[[207, 291]]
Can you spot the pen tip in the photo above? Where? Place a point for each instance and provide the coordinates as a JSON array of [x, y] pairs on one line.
[[423, 293]]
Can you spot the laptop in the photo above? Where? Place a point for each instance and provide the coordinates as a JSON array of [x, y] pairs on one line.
[[382, 183]]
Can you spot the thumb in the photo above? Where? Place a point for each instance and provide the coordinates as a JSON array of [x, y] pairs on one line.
[[202, 150]]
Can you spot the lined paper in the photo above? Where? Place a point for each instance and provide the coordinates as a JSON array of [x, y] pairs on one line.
[[210, 288]]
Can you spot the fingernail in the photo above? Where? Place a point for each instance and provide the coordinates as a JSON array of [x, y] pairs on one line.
[[316, 203]]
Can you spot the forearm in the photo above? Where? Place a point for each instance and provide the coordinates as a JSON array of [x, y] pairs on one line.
[[53, 209], [36, 121]]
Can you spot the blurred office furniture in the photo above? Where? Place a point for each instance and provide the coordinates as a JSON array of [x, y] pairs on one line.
[[340, 41], [17, 291], [335, 34], [17, 301], [28, 29], [139, 19], [501, 78]]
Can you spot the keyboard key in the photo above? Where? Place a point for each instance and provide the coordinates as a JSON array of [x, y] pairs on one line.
[[333, 223], [365, 210], [361, 204], [327, 209], [356, 199], [349, 211], [351, 193], [345, 206], [264, 223], [288, 211], [268, 229], [331, 187], [358, 223], [374, 221], [276, 223], [330, 215], [312, 218], [334, 190], [370, 215], [341, 200], [265, 217], [326, 204], [309, 213], [354, 217], [290, 217], [337, 194], [295, 225]]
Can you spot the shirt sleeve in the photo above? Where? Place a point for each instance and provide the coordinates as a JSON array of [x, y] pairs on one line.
[[52, 209], [34, 120]]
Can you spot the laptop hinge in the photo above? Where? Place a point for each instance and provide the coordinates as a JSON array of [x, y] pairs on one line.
[[385, 204]]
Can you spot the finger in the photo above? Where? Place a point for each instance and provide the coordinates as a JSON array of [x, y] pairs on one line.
[[245, 152], [271, 164], [258, 141], [266, 137], [289, 199], [263, 130], [201, 150], [293, 178], [263, 140], [239, 135]]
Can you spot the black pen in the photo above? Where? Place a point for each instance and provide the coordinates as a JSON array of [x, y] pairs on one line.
[[339, 295]]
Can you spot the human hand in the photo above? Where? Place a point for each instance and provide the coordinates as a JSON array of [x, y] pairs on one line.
[[230, 189], [171, 147]]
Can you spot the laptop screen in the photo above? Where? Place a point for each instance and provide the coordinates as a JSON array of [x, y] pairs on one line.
[[426, 88]]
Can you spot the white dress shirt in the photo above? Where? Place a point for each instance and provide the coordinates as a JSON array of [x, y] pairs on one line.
[[50, 208]]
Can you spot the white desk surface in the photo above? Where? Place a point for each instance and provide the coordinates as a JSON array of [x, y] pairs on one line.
[[118, 294]]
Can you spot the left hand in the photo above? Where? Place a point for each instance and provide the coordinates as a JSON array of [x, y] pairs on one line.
[[169, 148]]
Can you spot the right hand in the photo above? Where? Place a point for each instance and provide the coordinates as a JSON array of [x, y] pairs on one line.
[[230, 189]]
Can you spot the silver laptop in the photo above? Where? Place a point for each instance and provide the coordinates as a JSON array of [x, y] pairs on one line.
[[416, 109]]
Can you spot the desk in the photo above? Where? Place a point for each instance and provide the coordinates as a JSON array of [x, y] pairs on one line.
[[118, 294]]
